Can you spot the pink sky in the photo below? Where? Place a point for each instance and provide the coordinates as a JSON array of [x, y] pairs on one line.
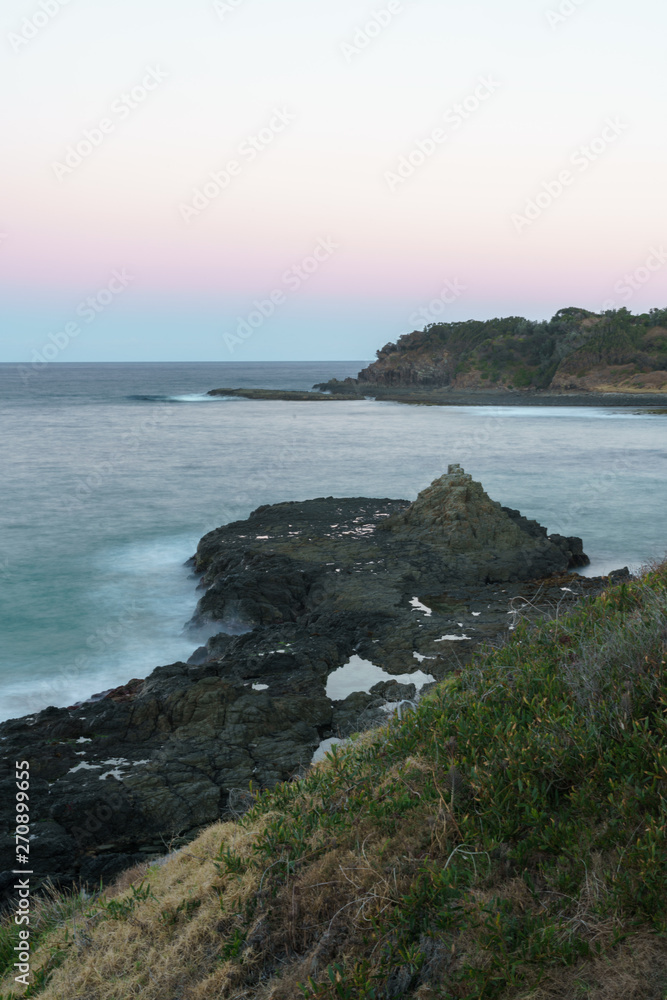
[[441, 145]]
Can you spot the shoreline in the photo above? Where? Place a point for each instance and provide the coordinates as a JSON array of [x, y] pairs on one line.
[[444, 397], [321, 587]]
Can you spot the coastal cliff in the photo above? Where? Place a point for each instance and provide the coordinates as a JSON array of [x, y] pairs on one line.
[[577, 351]]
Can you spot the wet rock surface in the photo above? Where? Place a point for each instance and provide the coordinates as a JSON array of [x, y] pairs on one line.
[[289, 395], [423, 394], [297, 590]]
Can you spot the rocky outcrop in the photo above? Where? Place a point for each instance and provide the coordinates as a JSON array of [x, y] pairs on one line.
[[113, 782], [414, 362], [476, 539], [296, 591]]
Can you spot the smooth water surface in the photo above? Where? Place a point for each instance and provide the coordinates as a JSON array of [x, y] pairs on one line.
[[111, 474]]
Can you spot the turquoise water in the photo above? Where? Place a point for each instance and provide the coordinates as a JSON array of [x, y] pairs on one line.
[[111, 474]]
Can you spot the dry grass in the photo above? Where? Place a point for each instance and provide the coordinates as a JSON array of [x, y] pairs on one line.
[[635, 970], [168, 943], [163, 952]]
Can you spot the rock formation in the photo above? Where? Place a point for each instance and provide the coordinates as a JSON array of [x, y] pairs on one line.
[[297, 590], [476, 539]]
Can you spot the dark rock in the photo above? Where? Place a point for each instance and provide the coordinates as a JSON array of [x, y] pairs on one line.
[[200, 655], [573, 549], [105, 868], [284, 394], [476, 539], [393, 691]]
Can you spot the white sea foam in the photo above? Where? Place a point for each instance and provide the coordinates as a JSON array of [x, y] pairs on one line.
[[83, 766], [418, 606], [420, 659], [197, 397]]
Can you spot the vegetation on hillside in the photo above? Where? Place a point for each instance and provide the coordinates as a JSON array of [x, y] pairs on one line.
[[522, 354], [506, 841]]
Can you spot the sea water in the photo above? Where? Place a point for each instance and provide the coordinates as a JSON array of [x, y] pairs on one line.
[[111, 473]]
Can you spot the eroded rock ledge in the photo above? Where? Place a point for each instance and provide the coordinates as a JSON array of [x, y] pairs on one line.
[[297, 590], [424, 395]]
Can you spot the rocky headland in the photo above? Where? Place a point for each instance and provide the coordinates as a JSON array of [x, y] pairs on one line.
[[578, 358], [297, 591], [577, 354]]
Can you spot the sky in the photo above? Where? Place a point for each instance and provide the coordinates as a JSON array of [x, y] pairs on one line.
[[246, 180]]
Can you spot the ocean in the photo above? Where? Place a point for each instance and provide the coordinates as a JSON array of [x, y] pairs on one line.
[[112, 472]]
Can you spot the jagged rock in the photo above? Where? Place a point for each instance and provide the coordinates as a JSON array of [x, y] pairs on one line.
[[479, 540]]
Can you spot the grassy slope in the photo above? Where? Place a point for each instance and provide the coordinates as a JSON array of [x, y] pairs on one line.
[[518, 353], [507, 840]]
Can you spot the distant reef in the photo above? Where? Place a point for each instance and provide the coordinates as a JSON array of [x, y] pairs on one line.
[[285, 394]]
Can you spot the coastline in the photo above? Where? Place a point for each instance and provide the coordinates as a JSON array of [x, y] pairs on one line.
[[446, 397], [299, 591]]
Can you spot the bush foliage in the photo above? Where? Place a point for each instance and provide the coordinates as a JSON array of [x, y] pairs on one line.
[[528, 353]]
